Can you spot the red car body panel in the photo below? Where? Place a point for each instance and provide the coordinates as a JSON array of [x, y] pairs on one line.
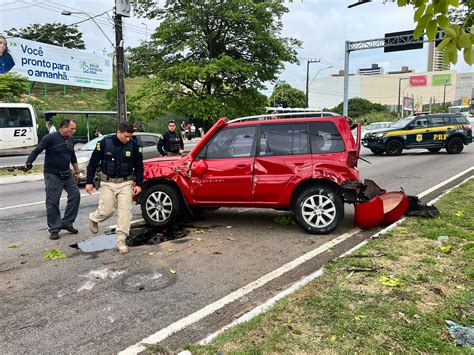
[[261, 181]]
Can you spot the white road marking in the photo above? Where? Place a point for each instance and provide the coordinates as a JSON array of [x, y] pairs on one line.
[[300, 283], [211, 308], [40, 202]]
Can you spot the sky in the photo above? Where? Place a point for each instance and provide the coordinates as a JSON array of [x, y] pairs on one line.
[[322, 25]]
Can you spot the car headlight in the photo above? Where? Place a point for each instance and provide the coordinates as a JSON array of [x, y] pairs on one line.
[[379, 135]]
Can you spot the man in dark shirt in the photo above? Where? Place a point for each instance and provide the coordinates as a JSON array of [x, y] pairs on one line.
[[121, 161], [57, 176], [172, 142]]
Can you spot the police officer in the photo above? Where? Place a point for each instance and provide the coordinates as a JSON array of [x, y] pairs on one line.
[[172, 142], [121, 161]]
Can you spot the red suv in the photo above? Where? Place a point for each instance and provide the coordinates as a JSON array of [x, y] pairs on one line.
[[303, 163]]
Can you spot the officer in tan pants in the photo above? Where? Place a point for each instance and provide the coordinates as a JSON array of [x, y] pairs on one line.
[[121, 170]]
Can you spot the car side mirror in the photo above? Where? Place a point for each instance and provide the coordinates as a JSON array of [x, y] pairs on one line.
[[199, 168]]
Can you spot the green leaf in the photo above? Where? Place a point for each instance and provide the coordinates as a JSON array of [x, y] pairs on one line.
[[444, 43], [454, 3], [418, 30], [453, 53], [391, 281], [432, 29], [54, 254], [419, 12], [450, 30], [468, 55], [464, 40], [430, 9], [443, 21], [402, 2], [13, 245]]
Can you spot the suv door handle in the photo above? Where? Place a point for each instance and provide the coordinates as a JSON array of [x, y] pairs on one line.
[[299, 163], [242, 165]]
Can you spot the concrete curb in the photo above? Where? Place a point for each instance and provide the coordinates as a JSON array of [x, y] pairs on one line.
[[20, 178]]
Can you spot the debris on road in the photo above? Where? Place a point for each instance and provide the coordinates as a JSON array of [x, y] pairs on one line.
[[284, 220], [54, 254], [391, 281]]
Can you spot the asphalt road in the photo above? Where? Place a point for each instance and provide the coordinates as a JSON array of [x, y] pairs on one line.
[[42, 309]]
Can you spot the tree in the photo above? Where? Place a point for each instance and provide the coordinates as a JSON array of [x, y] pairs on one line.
[[287, 96], [458, 28], [359, 107], [12, 86], [209, 58], [56, 34]]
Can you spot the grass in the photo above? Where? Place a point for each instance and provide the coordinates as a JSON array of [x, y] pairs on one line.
[[35, 170], [343, 312]]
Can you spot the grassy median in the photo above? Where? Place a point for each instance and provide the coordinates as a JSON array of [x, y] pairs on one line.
[[35, 170], [391, 296]]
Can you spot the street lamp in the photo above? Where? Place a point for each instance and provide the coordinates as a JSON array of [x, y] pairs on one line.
[[399, 92], [69, 13], [307, 78], [146, 31]]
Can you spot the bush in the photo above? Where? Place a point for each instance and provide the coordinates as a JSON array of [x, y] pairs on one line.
[[378, 117]]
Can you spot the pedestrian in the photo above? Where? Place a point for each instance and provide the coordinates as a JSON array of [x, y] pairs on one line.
[[183, 128], [51, 128], [97, 132], [59, 155], [121, 162], [193, 131], [171, 143]]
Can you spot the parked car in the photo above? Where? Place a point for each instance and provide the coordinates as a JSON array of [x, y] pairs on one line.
[[373, 126], [433, 131], [304, 164], [148, 141]]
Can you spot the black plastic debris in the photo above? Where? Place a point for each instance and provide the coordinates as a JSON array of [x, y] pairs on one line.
[[418, 209]]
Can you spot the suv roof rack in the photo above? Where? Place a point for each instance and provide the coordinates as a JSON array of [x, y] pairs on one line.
[[272, 116]]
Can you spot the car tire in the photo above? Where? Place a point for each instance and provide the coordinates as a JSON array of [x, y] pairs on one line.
[[455, 145], [434, 150], [377, 151], [319, 210], [160, 206], [394, 148]]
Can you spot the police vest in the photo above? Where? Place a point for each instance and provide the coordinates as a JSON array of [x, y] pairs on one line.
[[174, 143], [117, 160]]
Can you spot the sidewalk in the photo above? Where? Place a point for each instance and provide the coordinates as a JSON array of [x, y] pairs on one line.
[[5, 180]]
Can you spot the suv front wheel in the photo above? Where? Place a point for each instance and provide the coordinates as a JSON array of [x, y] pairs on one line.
[[319, 210], [160, 206], [394, 148]]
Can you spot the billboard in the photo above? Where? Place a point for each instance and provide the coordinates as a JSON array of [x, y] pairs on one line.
[[418, 80], [56, 65], [408, 103], [441, 79], [404, 43]]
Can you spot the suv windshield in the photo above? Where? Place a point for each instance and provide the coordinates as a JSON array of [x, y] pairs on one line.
[[402, 123]]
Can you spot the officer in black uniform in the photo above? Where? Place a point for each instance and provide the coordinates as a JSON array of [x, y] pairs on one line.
[[172, 142], [121, 163]]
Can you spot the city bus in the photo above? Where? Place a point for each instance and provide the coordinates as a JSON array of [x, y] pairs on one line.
[[18, 126], [465, 110]]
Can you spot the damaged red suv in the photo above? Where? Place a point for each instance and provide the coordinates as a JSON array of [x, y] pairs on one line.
[[303, 163]]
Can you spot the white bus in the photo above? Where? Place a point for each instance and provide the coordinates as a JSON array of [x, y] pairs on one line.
[[18, 127], [465, 110]]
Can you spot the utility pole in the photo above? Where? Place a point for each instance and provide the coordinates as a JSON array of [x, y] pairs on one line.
[[119, 57], [399, 91], [307, 79]]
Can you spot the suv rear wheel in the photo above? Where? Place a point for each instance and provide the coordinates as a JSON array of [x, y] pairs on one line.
[[455, 145], [160, 206], [394, 148], [319, 210]]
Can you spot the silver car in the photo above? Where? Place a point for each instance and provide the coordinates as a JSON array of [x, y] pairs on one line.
[[148, 141]]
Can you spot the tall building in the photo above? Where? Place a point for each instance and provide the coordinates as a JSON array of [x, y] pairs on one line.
[[373, 70], [435, 59]]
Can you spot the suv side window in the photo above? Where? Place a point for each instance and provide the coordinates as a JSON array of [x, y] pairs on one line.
[[325, 138], [459, 120], [230, 143], [283, 139], [438, 121], [420, 123]]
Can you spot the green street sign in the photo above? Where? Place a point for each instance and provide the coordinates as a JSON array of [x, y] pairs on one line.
[[441, 79]]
